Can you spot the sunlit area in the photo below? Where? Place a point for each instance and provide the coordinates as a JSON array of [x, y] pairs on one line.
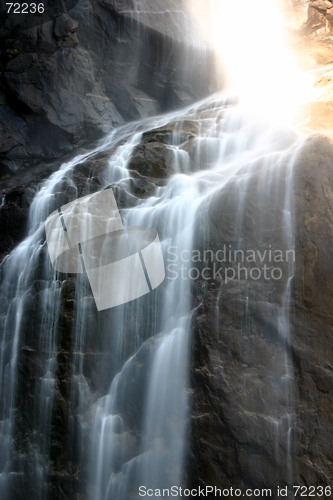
[[259, 66]]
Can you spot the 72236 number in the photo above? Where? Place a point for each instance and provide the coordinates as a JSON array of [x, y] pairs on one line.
[[25, 8]]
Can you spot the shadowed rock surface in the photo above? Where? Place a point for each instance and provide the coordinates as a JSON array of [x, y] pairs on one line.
[[240, 409], [71, 80]]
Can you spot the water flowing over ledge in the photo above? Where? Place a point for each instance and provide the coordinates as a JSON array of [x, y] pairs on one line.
[[98, 403]]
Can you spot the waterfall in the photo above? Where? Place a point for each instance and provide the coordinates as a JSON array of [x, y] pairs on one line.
[[123, 373]]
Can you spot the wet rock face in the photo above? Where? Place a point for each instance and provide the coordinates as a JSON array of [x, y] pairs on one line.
[[18, 191], [258, 395], [13, 219], [170, 17], [71, 80], [153, 162], [155, 157], [162, 152]]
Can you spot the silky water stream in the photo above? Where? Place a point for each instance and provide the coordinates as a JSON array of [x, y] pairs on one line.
[[119, 377]]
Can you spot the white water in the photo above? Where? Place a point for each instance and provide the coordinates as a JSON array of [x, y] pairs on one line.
[[124, 438]]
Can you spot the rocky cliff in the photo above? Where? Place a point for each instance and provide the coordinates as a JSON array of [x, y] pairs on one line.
[[261, 402], [310, 24], [244, 405], [68, 81]]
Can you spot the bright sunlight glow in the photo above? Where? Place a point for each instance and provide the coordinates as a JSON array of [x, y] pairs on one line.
[[262, 71]]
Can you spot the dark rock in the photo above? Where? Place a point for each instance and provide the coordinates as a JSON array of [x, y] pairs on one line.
[[155, 156], [13, 219], [153, 160], [45, 12], [252, 385], [173, 133], [64, 26], [22, 63], [140, 186], [65, 31], [68, 82], [128, 192]]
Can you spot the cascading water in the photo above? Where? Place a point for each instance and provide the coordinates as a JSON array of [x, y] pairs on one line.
[[19, 272], [117, 380], [151, 452]]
